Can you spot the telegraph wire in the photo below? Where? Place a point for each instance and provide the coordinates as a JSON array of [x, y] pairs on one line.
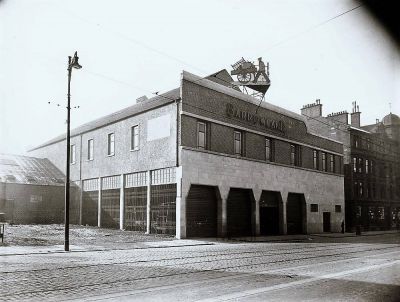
[[312, 28]]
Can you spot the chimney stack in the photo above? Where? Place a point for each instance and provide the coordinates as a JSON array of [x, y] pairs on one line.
[[141, 99], [355, 116], [342, 117], [312, 110]]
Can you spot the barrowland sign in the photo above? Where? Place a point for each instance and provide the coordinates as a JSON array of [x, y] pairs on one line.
[[254, 119]]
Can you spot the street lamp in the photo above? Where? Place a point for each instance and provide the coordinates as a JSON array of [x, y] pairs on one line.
[[72, 63]]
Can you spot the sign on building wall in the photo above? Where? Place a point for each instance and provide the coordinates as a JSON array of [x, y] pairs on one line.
[[159, 127], [36, 198]]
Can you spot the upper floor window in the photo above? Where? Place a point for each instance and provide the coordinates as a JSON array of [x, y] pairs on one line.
[[354, 164], [72, 155], [110, 144], [360, 165], [238, 142], [135, 137], [315, 159], [324, 166], [269, 149], [332, 163], [201, 135], [295, 155], [366, 166], [356, 142], [90, 149]]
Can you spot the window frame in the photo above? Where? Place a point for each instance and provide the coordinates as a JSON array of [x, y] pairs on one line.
[[72, 154], [110, 143], [314, 208], [135, 142], [269, 149], [324, 162], [338, 208], [240, 151], [332, 163], [315, 159], [90, 146], [199, 123]]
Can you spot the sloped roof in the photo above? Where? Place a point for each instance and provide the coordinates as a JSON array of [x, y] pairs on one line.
[[152, 103], [29, 170]]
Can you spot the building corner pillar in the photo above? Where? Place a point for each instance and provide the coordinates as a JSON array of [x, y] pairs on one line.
[[223, 212], [121, 202], [282, 213], [99, 204], [148, 202], [256, 211]]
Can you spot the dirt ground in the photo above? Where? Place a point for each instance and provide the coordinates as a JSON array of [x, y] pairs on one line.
[[53, 234]]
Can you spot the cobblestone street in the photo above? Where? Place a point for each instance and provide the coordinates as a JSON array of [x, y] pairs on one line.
[[363, 268]]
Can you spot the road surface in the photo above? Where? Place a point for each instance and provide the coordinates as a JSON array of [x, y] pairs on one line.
[[325, 270]]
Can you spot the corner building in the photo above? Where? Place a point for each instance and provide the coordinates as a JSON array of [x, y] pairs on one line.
[[205, 160]]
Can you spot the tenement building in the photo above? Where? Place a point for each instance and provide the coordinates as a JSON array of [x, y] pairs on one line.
[[371, 165], [204, 160]]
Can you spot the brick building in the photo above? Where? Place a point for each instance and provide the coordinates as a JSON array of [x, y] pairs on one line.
[[371, 162], [204, 160]]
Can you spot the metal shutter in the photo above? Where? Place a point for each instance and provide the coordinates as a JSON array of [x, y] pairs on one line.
[[201, 212]]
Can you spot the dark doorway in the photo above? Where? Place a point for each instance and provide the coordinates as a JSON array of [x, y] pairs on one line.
[[239, 207], [326, 218], [201, 212], [269, 213], [295, 213]]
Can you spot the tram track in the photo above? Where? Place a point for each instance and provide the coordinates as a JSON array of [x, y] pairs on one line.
[[250, 254], [204, 271]]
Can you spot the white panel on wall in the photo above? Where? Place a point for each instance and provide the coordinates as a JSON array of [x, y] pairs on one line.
[[110, 182], [159, 127], [136, 180], [91, 184], [163, 176]]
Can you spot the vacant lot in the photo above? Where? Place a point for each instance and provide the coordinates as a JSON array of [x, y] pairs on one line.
[[53, 234]]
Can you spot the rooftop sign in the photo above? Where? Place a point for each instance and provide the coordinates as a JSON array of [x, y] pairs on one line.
[[254, 119]]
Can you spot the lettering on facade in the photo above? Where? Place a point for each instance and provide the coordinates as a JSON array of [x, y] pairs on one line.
[[254, 119]]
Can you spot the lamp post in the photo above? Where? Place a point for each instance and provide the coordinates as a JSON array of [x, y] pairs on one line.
[[72, 63]]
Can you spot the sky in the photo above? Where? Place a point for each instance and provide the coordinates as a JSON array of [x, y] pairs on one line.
[[133, 48]]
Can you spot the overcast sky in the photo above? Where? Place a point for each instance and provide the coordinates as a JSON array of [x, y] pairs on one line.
[[131, 48]]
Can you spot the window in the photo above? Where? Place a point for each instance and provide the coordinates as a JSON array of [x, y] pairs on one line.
[[356, 143], [361, 189], [269, 149], [135, 137], [338, 208], [355, 189], [323, 161], [72, 157], [111, 144], [314, 207], [332, 163], [295, 155], [315, 159], [90, 149], [201, 135], [354, 164], [360, 165], [238, 142], [366, 166]]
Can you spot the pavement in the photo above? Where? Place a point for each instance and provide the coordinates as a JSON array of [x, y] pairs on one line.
[[312, 236]]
